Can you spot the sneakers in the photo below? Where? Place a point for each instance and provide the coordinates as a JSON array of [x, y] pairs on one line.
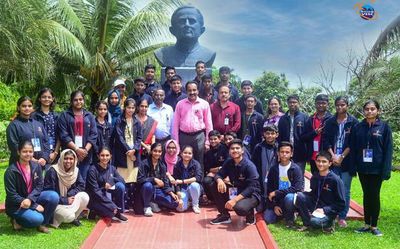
[[250, 219], [119, 217], [154, 207], [148, 212], [196, 209], [221, 219], [328, 230], [43, 229], [342, 223], [290, 225], [15, 225], [303, 228], [363, 230], [376, 232], [76, 222]]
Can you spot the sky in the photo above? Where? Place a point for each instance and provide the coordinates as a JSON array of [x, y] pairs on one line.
[[294, 37]]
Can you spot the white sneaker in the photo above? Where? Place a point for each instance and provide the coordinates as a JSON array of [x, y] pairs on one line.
[[148, 212], [196, 209], [154, 207]]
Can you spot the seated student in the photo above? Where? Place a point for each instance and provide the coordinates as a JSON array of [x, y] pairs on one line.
[[265, 156], [154, 183], [106, 189], [64, 178], [229, 137], [171, 157], [242, 193], [213, 160], [284, 181], [326, 200], [187, 178], [176, 93], [26, 203]]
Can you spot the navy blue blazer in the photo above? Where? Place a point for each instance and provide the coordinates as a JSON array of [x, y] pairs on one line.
[[300, 146], [193, 170], [147, 174], [255, 125]]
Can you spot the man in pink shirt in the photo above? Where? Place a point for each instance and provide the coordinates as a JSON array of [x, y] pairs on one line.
[[224, 113], [192, 121]]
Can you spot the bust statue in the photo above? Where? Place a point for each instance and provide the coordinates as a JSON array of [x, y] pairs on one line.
[[187, 25]]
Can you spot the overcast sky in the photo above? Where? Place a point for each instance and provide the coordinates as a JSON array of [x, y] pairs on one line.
[[290, 36]]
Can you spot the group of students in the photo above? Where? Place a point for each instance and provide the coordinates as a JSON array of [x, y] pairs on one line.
[[207, 145]]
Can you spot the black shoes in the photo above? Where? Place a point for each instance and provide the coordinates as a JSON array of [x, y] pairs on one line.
[[77, 223], [119, 217], [221, 219], [250, 219]]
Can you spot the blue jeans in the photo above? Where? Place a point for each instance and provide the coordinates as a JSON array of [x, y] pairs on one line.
[[151, 193], [32, 218], [118, 195], [287, 207], [346, 179], [191, 192]]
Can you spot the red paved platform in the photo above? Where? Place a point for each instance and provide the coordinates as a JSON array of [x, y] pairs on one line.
[[177, 231]]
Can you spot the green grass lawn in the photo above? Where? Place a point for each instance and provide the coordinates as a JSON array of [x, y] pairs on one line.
[[388, 223], [67, 236]]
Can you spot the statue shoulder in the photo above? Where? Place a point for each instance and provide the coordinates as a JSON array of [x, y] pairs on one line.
[[164, 54], [207, 55]]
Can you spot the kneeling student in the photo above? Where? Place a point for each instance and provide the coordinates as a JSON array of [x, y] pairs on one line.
[[155, 185], [64, 178], [284, 181], [320, 207], [106, 189], [242, 193]]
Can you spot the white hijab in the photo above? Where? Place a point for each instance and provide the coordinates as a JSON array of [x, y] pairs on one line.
[[66, 179]]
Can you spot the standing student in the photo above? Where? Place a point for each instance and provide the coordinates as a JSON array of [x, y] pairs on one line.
[[24, 128], [284, 181], [320, 207], [104, 128], [192, 121], [77, 130], [114, 106], [214, 158], [120, 86], [314, 128], [252, 124], [225, 76], [106, 189], [126, 141], [65, 179], [201, 70], [274, 112], [265, 156], [336, 140], [154, 183], [242, 193], [372, 151], [151, 84], [291, 127], [26, 203], [176, 93], [45, 114], [246, 88], [139, 91], [149, 126], [169, 73], [208, 92], [187, 178]]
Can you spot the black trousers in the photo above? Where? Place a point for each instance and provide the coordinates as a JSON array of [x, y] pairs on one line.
[[371, 186], [242, 207], [208, 184], [197, 141]]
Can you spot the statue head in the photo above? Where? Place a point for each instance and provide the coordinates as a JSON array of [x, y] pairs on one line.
[[187, 23]]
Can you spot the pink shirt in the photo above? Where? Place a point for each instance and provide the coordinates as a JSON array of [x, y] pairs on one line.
[[192, 117], [26, 174]]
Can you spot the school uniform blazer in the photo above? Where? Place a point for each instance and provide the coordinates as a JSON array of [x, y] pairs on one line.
[[103, 136], [39, 116], [17, 190], [21, 129], [51, 183], [65, 129], [380, 140], [257, 159], [147, 174], [137, 97], [327, 193], [244, 176], [173, 98], [215, 157], [119, 145], [255, 126], [309, 134], [296, 179], [194, 170], [330, 133], [300, 146], [95, 186]]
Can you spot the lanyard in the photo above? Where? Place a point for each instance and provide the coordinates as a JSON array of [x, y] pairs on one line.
[[32, 128]]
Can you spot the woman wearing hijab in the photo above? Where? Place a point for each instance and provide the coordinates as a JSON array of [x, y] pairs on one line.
[[64, 178], [114, 106], [171, 156]]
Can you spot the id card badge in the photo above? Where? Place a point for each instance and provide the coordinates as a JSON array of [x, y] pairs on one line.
[[232, 193], [36, 144], [246, 140], [226, 121], [316, 146], [51, 143], [368, 155], [79, 141]]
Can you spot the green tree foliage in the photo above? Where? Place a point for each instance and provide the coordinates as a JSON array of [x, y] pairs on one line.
[[270, 84]]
